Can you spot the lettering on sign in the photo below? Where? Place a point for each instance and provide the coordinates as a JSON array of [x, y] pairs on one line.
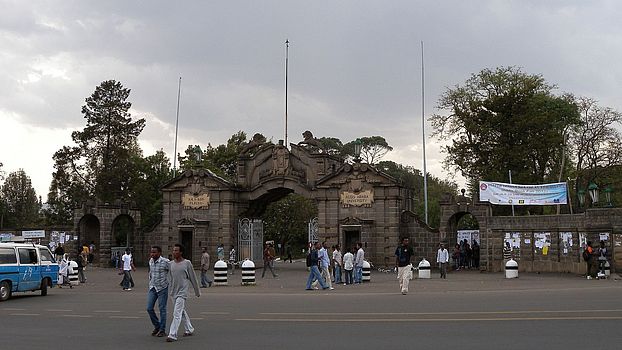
[[358, 199], [191, 201]]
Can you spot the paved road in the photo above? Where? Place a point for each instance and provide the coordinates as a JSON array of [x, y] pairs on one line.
[[469, 310]]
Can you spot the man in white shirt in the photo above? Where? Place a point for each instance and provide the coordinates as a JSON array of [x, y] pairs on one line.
[[128, 266], [442, 258], [348, 266], [181, 276]]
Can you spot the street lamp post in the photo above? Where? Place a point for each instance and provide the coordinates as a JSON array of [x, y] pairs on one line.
[[608, 191], [593, 190], [581, 197], [358, 145]]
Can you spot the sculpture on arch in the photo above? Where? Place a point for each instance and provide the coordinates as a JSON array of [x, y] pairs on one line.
[[311, 142], [256, 142]]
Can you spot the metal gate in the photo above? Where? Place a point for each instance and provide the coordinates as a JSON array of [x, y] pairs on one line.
[[314, 227], [250, 240]]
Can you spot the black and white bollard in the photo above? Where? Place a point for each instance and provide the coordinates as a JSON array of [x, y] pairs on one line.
[[511, 269], [366, 271], [248, 273], [220, 273], [72, 273], [424, 269]]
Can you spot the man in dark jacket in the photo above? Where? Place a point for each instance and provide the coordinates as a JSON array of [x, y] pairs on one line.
[[314, 273]]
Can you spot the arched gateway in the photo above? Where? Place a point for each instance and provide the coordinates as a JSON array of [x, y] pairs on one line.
[[356, 202]]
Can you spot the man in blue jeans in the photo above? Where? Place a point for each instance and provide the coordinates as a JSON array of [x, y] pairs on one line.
[[158, 290], [313, 267], [358, 263]]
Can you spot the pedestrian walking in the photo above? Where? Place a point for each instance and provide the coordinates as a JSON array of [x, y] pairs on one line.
[[348, 267], [314, 271], [403, 254], [358, 263], [205, 263], [338, 264], [91, 253], [128, 267], [324, 262], [158, 290], [442, 259], [220, 252], [81, 260], [268, 258], [181, 276], [588, 257], [59, 252]]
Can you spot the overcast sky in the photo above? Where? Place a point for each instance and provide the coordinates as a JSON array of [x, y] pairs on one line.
[[354, 66]]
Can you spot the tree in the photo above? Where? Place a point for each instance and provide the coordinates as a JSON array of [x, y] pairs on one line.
[[505, 119], [595, 142], [154, 171], [222, 159], [22, 206], [373, 148], [332, 145], [285, 221], [100, 160], [413, 179]]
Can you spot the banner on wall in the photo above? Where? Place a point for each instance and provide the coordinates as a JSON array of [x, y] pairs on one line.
[[510, 194]]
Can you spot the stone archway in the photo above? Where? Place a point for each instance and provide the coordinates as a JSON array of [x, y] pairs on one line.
[[89, 231], [123, 231]]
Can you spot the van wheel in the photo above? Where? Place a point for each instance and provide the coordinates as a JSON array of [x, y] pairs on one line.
[[44, 287], [5, 290]]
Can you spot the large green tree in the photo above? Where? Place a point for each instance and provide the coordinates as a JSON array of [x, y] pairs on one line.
[[595, 142], [413, 179], [101, 159], [505, 119], [286, 220], [20, 199], [373, 149]]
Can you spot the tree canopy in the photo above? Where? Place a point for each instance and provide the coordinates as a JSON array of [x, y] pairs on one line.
[[20, 204], [505, 119]]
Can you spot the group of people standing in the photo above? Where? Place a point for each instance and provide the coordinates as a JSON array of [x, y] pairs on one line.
[[465, 255], [596, 259], [338, 268]]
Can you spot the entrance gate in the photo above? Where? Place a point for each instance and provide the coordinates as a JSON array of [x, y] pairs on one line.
[[314, 227], [250, 240]]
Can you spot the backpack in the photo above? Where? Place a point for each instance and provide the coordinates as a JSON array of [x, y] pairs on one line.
[[586, 255]]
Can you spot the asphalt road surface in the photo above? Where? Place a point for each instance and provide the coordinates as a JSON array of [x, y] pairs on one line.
[[469, 310]]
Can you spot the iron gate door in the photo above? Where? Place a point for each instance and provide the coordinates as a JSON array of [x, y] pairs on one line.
[[250, 240]]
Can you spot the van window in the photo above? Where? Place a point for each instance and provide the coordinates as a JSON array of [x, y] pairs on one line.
[[46, 256], [27, 255], [7, 256]]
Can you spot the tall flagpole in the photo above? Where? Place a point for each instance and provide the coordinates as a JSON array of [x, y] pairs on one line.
[[425, 171], [286, 76], [176, 129]]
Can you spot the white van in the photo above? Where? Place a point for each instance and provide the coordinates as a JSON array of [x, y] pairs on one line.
[[26, 267]]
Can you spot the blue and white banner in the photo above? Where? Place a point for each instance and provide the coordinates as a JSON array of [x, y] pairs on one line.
[[509, 194]]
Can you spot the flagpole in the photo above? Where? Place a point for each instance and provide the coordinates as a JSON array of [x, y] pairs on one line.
[[286, 77], [176, 130], [425, 171]]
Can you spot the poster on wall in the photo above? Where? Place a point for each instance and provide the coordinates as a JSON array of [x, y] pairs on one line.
[[565, 239], [603, 236], [512, 240], [469, 235], [542, 241]]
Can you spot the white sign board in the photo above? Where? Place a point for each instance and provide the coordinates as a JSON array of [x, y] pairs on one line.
[[33, 234], [509, 194]]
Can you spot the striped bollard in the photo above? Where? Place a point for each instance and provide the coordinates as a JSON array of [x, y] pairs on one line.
[[220, 273], [248, 273], [424, 269], [366, 271]]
